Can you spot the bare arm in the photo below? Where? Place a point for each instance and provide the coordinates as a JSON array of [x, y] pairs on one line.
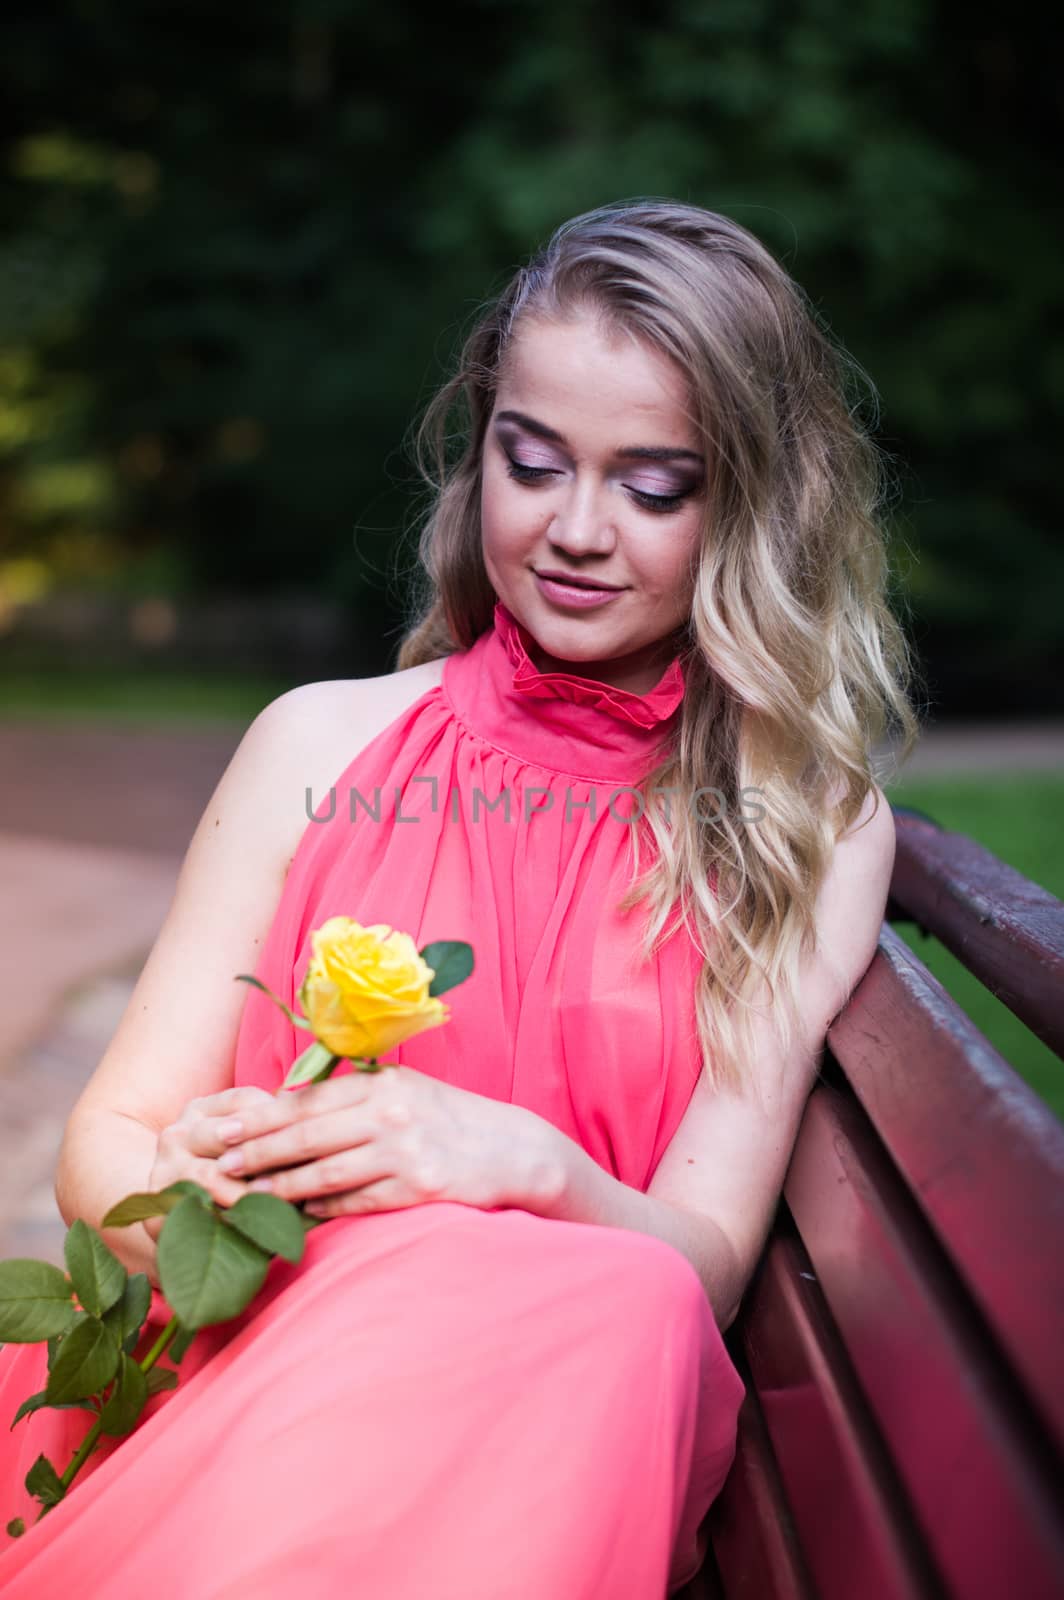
[[585, 1192], [717, 1186], [105, 1156], [177, 1038]]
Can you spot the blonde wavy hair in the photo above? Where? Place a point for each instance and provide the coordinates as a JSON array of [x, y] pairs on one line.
[[795, 666]]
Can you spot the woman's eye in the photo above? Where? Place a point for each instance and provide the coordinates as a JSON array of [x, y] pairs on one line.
[[659, 502], [526, 474], [523, 473]]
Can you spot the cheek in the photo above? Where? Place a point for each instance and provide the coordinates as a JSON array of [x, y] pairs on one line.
[[496, 531], [507, 517], [668, 564]]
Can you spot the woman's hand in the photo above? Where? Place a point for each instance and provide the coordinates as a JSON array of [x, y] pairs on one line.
[[189, 1147], [395, 1138]]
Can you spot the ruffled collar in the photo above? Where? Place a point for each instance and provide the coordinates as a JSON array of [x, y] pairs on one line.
[[557, 721], [640, 710]]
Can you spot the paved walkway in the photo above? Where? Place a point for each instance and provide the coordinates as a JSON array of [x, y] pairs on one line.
[[987, 747], [94, 823]]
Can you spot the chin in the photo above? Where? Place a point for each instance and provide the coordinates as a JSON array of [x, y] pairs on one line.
[[579, 631], [580, 642]]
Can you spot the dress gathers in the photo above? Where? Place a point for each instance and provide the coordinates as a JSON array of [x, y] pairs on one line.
[[442, 1400]]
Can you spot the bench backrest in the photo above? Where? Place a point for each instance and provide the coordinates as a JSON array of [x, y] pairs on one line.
[[903, 1337]]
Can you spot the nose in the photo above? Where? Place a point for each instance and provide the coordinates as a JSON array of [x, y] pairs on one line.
[[583, 524]]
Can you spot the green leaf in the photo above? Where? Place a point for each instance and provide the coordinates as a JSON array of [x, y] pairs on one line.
[[185, 1186], [126, 1317], [179, 1344], [316, 1062], [44, 1482], [127, 1399], [452, 962], [309, 1222], [269, 1222], [56, 1344], [87, 1360], [209, 1271], [36, 1401], [36, 1301], [33, 1403], [152, 1203], [95, 1271], [16, 1527], [298, 1022], [135, 1207], [160, 1378]]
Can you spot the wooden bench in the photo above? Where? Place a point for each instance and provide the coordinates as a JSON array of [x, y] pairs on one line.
[[902, 1339]]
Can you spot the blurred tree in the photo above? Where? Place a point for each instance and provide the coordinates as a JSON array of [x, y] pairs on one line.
[[238, 248]]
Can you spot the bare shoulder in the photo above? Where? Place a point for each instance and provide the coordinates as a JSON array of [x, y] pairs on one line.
[[178, 1036], [310, 734], [348, 711]]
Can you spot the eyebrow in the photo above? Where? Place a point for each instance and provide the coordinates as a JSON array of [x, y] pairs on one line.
[[633, 452]]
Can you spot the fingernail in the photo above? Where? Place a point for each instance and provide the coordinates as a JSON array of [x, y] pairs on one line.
[[234, 1129], [231, 1161], [265, 1184]]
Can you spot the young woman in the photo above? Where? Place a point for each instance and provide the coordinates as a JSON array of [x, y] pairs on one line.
[[627, 755]]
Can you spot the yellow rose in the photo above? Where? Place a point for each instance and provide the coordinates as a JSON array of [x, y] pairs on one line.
[[367, 989]]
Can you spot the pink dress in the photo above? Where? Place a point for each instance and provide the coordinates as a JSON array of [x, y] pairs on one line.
[[441, 1400]]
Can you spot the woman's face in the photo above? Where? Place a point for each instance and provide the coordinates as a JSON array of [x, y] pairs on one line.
[[594, 473]]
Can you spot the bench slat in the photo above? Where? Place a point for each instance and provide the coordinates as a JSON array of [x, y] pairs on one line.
[[1005, 929], [979, 1151], [750, 1524], [965, 1445], [856, 1531]]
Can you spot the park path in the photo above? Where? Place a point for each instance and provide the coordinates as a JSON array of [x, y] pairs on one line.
[[94, 823]]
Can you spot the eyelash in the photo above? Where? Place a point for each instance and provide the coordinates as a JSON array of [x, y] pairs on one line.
[[662, 503]]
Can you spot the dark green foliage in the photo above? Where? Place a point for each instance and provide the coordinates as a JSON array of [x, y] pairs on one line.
[[238, 247]]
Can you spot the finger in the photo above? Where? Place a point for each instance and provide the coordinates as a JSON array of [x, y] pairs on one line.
[[347, 1169], [223, 1119], [306, 1140], [385, 1195], [219, 1185], [350, 1089], [222, 1188], [227, 1101], [312, 1100], [212, 1136]]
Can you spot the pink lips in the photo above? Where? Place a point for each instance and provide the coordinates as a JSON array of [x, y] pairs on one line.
[[573, 596]]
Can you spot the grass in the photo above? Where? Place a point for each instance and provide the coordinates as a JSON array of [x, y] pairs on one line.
[[149, 696], [1018, 817]]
